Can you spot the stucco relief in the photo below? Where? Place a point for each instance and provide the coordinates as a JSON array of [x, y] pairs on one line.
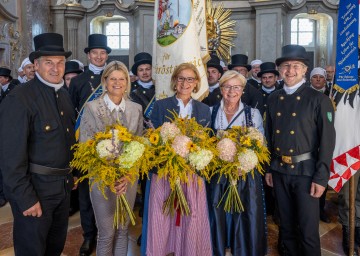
[[11, 37]]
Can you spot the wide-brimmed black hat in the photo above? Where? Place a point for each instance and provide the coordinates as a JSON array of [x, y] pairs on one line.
[[267, 67], [72, 67], [97, 41], [139, 59], [239, 60], [5, 72], [48, 44], [292, 52], [214, 62]]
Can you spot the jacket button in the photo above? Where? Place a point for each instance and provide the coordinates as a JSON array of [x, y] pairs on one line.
[[298, 97], [281, 97], [277, 149], [278, 114], [62, 113], [277, 131], [67, 129], [47, 128], [292, 166], [292, 132], [293, 114], [291, 150], [281, 164], [92, 77]]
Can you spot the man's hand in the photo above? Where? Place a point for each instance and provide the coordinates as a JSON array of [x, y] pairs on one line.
[[316, 190], [269, 180], [34, 210]]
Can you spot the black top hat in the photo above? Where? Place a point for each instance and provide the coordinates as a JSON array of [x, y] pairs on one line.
[[5, 72], [239, 60], [267, 67], [72, 67], [214, 62], [292, 52], [48, 44], [97, 41], [139, 59]]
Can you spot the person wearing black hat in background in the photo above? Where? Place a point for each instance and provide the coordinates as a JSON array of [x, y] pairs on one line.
[[143, 92], [300, 128], [268, 76], [6, 85], [251, 96], [72, 69], [81, 87], [214, 73], [142, 70], [35, 152]]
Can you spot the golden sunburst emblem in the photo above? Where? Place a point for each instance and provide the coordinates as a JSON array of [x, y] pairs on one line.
[[220, 30]]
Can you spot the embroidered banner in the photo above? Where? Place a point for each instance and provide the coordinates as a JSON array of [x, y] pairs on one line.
[[179, 36], [346, 156]]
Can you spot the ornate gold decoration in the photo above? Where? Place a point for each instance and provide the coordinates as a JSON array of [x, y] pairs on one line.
[[220, 30]]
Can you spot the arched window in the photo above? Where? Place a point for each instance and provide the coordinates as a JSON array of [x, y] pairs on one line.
[[303, 32], [117, 32]]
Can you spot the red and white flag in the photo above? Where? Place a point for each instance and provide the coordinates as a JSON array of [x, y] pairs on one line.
[[346, 157]]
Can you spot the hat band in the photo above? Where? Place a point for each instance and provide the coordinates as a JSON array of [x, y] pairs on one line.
[[51, 48]]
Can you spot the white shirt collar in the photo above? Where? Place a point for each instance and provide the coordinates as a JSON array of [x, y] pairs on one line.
[[292, 89], [146, 85], [185, 111], [111, 105], [213, 87], [5, 86], [319, 90]]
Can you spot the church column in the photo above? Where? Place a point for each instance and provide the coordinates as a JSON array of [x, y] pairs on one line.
[[270, 29]]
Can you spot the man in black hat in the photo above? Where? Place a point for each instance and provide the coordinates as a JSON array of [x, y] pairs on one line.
[[7, 83], [83, 88], [301, 133], [35, 152], [268, 76], [143, 93], [251, 96], [214, 73], [142, 70], [72, 69]]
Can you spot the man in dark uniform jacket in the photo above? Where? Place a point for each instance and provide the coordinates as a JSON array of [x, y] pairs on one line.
[[6, 85], [268, 76], [214, 73], [81, 87], [143, 89], [35, 152], [142, 67], [251, 96], [143, 93], [300, 126]]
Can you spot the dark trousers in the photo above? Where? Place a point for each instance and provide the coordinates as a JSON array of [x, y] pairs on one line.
[[322, 200], [1, 187], [299, 214], [86, 211], [45, 235]]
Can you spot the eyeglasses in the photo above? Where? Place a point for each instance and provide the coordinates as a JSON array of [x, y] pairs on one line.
[[189, 80], [288, 66], [233, 87]]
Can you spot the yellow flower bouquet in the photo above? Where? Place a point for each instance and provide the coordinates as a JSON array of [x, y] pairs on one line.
[[109, 156], [182, 148], [241, 150]]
